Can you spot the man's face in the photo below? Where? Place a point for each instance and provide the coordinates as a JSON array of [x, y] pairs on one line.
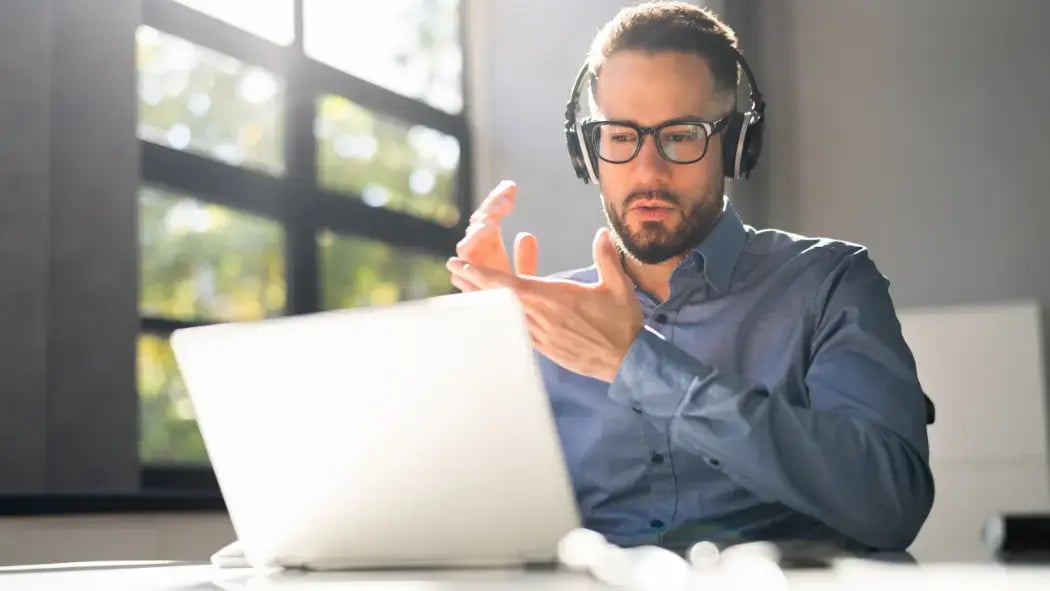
[[658, 209]]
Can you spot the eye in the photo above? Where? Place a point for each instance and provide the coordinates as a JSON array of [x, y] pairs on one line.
[[622, 137], [680, 136]]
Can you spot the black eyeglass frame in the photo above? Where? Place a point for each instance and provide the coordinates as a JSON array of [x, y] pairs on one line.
[[711, 128]]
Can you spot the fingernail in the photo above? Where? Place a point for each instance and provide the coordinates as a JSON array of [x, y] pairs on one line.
[[499, 188]]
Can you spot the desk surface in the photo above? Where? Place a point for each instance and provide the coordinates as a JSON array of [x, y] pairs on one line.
[[852, 574]]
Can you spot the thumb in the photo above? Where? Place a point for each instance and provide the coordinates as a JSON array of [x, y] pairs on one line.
[[610, 266], [526, 254]]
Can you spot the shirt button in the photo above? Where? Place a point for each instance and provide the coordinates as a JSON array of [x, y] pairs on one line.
[[657, 459], [661, 318], [656, 523], [713, 462]]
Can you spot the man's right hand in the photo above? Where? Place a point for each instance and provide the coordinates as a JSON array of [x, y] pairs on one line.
[[483, 243]]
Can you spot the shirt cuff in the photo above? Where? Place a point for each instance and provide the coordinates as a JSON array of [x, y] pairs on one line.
[[655, 375]]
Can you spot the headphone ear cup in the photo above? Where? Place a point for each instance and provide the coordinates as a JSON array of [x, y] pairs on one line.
[[731, 137], [576, 157], [752, 146], [584, 164], [591, 159]]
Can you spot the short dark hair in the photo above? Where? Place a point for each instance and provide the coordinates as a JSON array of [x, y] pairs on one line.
[[670, 26]]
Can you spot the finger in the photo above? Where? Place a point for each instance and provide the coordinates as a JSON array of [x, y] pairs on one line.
[[539, 320], [463, 285], [546, 343], [526, 254], [498, 203], [609, 264], [540, 303], [475, 228], [538, 338], [550, 349], [482, 277], [485, 221], [475, 234]]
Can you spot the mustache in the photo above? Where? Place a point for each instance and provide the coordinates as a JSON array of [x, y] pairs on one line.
[[652, 195]]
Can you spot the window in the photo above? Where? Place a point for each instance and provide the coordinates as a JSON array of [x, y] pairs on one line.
[[273, 20], [201, 101], [361, 272], [284, 173], [202, 261], [411, 47], [386, 162]]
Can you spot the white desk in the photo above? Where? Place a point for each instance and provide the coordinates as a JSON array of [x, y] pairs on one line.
[[847, 575]]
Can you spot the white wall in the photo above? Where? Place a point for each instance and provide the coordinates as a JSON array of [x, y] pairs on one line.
[[523, 59], [988, 449]]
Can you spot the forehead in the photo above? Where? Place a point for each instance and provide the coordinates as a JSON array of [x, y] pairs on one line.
[[650, 87]]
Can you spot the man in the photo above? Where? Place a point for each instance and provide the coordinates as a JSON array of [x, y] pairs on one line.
[[710, 381]]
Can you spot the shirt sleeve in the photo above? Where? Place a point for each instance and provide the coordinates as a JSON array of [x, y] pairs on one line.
[[856, 458]]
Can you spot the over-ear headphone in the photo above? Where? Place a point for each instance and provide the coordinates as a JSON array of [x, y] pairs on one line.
[[741, 144]]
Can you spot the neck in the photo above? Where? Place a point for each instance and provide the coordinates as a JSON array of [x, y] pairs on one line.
[[653, 279]]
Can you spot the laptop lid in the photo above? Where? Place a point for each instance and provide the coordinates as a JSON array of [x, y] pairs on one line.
[[412, 434]]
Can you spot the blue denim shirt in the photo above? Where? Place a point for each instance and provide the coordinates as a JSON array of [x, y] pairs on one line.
[[771, 396]]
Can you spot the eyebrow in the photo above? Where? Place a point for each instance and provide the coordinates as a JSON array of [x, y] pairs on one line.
[[675, 118]]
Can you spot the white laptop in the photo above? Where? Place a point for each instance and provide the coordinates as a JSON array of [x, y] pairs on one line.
[[417, 434]]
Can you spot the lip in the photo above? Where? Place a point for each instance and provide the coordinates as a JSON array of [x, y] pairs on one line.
[[651, 214], [650, 204]]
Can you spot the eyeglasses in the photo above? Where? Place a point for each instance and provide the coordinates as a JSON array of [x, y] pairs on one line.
[[682, 141]]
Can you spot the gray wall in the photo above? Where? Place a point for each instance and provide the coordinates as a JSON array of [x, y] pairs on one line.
[[24, 197], [917, 128], [68, 246]]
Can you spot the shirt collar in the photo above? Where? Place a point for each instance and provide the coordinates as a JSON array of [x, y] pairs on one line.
[[717, 254]]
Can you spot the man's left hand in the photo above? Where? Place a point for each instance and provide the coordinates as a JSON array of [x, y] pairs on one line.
[[585, 328]]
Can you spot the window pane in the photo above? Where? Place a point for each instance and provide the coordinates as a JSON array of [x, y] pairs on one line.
[[195, 99], [269, 19], [361, 272], [206, 262], [408, 46], [407, 168], [167, 429]]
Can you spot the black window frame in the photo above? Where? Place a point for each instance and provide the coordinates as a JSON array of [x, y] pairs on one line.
[[293, 199]]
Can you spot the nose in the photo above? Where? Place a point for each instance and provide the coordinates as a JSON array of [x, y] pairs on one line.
[[649, 163]]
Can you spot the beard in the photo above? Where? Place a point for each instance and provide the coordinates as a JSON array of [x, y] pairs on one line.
[[653, 242]]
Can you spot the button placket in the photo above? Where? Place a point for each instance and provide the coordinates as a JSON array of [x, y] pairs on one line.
[[661, 475]]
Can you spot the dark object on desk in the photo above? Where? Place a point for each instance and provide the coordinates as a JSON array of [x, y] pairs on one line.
[[818, 555], [805, 556], [1018, 537]]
